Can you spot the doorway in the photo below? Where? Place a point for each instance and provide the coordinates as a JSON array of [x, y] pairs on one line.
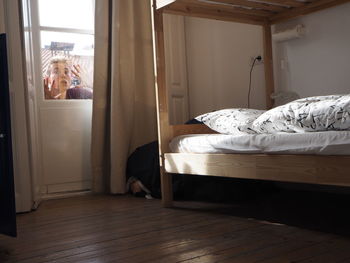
[[59, 44]]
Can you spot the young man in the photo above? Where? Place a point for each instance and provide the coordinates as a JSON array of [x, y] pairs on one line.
[[58, 81]]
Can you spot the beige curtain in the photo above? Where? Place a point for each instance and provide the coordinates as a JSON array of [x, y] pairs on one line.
[[124, 108]]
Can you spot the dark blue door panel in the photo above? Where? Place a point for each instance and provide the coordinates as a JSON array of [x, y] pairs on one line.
[[7, 195]]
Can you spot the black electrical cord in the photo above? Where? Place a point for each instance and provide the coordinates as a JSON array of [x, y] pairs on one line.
[[250, 78]]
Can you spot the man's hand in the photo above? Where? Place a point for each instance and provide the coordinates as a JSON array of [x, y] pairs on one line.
[[47, 92], [81, 74], [50, 94], [76, 71]]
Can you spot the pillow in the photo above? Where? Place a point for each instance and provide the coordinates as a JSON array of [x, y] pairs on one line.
[[320, 113], [231, 121]]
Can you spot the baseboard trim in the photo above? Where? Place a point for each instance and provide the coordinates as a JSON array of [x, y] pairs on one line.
[[65, 195]]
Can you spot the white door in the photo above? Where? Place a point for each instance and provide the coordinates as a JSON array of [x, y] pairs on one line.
[[63, 43]]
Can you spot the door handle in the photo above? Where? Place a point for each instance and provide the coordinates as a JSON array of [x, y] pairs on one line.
[[2, 135]]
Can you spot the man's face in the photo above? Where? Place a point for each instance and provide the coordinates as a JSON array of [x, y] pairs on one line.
[[60, 76]]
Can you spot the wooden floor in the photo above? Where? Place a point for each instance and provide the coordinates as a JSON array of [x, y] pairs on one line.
[[128, 229]]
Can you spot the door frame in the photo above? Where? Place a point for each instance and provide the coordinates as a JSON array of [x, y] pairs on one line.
[[36, 102], [18, 103]]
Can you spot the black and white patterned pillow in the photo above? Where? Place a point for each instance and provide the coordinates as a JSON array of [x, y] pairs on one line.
[[231, 121], [320, 113]]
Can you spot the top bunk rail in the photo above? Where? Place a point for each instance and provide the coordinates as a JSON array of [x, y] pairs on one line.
[[246, 11]]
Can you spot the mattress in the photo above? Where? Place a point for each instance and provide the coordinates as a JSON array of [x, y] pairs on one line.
[[319, 143]]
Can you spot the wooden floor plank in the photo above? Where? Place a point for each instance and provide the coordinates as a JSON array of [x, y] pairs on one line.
[[98, 228], [125, 243], [121, 230], [332, 248]]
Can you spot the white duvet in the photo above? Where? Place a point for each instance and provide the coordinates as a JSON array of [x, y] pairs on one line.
[[321, 143]]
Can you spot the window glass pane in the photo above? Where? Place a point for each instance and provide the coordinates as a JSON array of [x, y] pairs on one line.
[[81, 44], [67, 65], [77, 14]]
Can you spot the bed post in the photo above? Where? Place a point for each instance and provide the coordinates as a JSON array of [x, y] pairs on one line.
[[269, 80], [164, 130]]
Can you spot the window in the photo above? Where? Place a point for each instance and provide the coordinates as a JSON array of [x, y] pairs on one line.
[[66, 30]]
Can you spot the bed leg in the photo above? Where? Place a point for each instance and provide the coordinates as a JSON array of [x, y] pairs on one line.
[[167, 189]]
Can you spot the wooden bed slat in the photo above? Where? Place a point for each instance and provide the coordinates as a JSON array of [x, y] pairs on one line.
[[226, 7], [328, 170], [306, 9], [246, 11], [272, 5], [289, 3], [197, 11], [255, 12], [253, 4]]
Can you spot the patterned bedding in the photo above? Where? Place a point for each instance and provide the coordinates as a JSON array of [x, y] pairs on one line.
[[321, 113]]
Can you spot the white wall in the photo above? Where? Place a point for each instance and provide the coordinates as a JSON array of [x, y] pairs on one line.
[[218, 55], [218, 61], [318, 64]]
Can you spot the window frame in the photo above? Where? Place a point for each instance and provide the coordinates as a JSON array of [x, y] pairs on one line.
[[38, 78]]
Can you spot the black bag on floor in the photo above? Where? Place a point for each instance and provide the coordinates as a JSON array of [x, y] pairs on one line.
[[143, 167]]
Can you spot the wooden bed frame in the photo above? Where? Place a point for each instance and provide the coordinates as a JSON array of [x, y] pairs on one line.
[[329, 170]]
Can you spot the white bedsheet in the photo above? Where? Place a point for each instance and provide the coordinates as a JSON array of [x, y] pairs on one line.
[[321, 143]]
